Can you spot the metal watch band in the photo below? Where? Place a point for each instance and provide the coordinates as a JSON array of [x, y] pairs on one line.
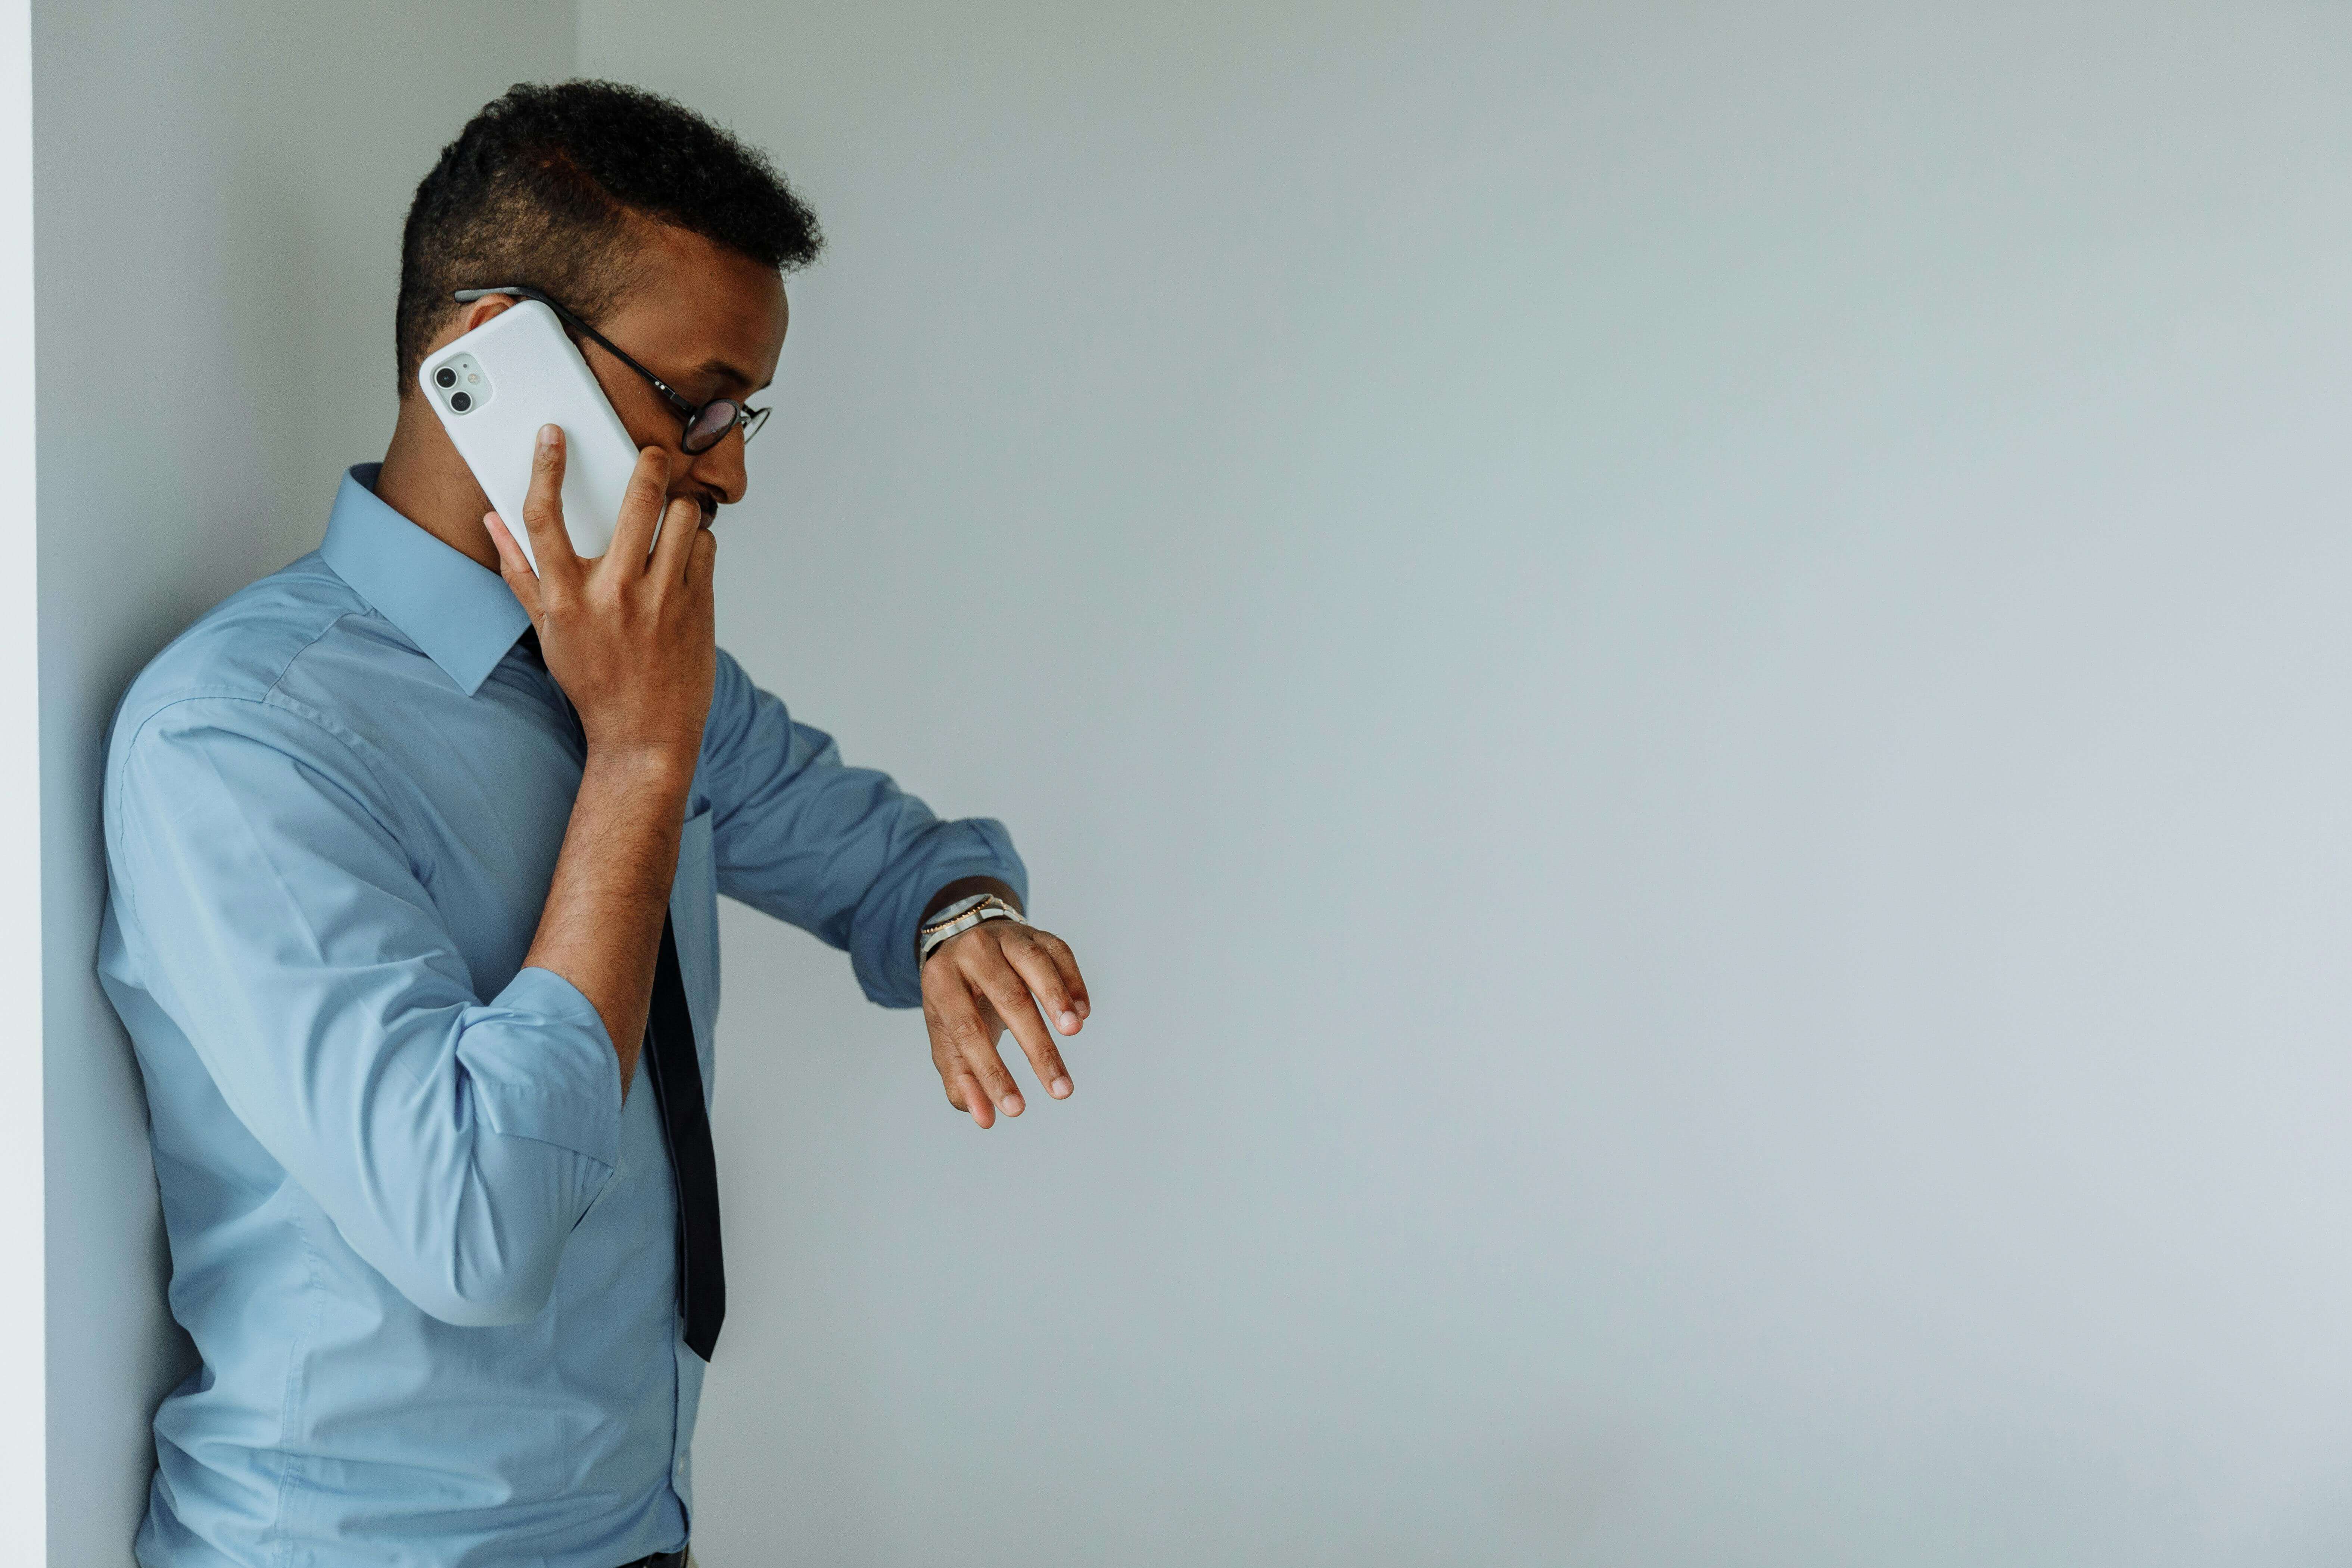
[[986, 906]]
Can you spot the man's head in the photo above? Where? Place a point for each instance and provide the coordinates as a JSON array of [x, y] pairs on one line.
[[659, 228]]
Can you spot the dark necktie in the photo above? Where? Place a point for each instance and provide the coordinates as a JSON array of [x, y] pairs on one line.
[[676, 1074], [676, 1070]]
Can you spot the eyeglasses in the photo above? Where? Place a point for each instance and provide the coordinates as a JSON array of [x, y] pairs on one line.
[[707, 424]]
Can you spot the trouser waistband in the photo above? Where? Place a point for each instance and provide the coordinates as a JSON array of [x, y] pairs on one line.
[[659, 1560]]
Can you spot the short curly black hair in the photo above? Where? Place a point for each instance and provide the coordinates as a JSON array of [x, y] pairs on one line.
[[543, 187]]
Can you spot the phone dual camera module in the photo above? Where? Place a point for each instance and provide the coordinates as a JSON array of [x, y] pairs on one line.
[[461, 383]]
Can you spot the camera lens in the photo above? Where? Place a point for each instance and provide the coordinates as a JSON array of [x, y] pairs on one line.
[[446, 376], [460, 401]]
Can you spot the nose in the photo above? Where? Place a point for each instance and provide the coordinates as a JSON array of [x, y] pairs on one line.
[[720, 469]]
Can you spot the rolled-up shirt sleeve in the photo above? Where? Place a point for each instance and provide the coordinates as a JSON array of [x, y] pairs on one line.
[[454, 1140], [841, 852]]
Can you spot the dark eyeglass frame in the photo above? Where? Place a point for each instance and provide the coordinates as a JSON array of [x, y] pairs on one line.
[[707, 424]]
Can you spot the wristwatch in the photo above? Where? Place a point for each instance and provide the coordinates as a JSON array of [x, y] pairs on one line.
[[961, 917]]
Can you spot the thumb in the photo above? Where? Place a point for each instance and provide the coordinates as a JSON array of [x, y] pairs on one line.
[[513, 564]]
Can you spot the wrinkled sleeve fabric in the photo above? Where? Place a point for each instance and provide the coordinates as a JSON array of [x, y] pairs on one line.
[[454, 1139], [842, 852]]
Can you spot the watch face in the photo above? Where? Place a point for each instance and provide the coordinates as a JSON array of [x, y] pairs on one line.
[[955, 911]]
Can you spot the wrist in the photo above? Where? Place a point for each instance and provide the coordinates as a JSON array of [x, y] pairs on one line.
[[964, 888], [957, 919], [643, 764]]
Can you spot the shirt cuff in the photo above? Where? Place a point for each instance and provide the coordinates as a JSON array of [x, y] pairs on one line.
[[882, 944], [542, 1067]]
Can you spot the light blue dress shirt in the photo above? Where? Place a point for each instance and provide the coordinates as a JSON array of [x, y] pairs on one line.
[[426, 1248]]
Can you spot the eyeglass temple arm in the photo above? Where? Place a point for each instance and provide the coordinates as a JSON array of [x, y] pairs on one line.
[[522, 291]]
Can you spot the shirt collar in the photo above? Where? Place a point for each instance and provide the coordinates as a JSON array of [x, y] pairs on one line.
[[459, 613]]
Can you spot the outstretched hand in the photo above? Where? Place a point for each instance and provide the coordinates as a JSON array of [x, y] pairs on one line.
[[996, 976]]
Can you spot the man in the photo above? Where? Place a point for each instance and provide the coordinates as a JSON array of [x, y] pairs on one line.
[[412, 915]]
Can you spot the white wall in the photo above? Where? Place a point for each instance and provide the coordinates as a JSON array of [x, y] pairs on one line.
[[1684, 673], [219, 192], [24, 1439]]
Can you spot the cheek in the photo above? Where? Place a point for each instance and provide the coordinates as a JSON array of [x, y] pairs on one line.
[[650, 423]]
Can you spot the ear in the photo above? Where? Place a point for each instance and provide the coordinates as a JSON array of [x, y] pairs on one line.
[[481, 310]]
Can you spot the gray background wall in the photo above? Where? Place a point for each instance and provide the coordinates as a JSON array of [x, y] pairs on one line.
[[1684, 672], [218, 194], [1681, 669]]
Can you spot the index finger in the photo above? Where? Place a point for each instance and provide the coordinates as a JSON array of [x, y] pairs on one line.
[[1055, 996], [1065, 964], [542, 512]]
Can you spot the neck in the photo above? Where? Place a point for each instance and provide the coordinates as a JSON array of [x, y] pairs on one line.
[[426, 482]]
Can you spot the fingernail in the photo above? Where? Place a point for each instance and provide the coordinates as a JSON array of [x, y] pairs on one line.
[[1009, 1105], [549, 436], [1069, 1023], [1062, 1088], [1085, 1010]]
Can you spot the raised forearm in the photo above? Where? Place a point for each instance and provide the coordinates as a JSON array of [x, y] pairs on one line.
[[602, 927], [628, 638]]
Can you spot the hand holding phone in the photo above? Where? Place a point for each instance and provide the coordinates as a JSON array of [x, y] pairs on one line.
[[629, 636]]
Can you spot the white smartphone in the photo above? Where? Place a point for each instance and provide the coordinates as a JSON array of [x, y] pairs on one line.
[[493, 389]]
